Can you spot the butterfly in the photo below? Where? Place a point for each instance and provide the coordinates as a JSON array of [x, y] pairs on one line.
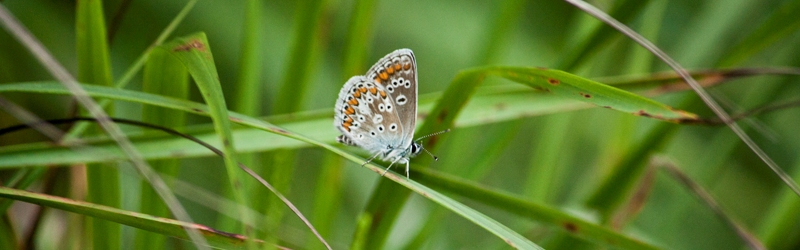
[[378, 111]]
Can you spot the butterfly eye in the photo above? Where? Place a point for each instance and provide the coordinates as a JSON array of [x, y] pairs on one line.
[[360, 136], [388, 107], [397, 82], [393, 127], [390, 89], [408, 84], [380, 128], [381, 107], [361, 118], [372, 133]]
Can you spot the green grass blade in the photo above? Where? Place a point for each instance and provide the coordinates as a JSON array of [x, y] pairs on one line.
[[359, 36], [164, 75], [195, 54], [8, 239], [159, 225], [94, 67], [247, 96], [534, 211]]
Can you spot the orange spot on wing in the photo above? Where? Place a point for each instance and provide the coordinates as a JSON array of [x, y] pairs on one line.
[[349, 119], [353, 102], [397, 66], [363, 90], [390, 70], [349, 111], [383, 94], [384, 76], [357, 94], [407, 66], [377, 80], [373, 91]]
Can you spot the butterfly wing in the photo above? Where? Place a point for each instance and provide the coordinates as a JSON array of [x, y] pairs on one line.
[[396, 74], [377, 112], [354, 115]]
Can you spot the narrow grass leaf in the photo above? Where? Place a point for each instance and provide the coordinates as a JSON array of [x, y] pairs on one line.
[[195, 54], [534, 211], [158, 225], [164, 75], [94, 67]]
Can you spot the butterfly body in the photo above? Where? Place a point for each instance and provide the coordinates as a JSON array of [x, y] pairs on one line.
[[377, 111]]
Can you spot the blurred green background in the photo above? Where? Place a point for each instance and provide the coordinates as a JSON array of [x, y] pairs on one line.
[[551, 156]]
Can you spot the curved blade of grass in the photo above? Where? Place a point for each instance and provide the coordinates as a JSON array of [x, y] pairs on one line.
[[534, 211], [195, 54], [567, 85], [159, 225], [710, 102]]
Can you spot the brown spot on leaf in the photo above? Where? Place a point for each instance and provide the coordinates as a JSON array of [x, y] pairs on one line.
[[210, 231], [587, 96], [234, 119], [642, 113], [571, 227], [500, 106], [193, 44], [553, 81], [198, 110], [280, 131], [442, 116], [608, 107]]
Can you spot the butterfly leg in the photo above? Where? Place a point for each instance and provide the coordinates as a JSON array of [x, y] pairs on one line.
[[370, 159], [407, 163], [390, 165]]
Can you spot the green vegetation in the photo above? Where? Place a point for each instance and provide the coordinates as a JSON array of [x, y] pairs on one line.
[[565, 134]]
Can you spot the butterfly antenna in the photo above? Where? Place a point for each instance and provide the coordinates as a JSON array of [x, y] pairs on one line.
[[437, 133], [429, 152]]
